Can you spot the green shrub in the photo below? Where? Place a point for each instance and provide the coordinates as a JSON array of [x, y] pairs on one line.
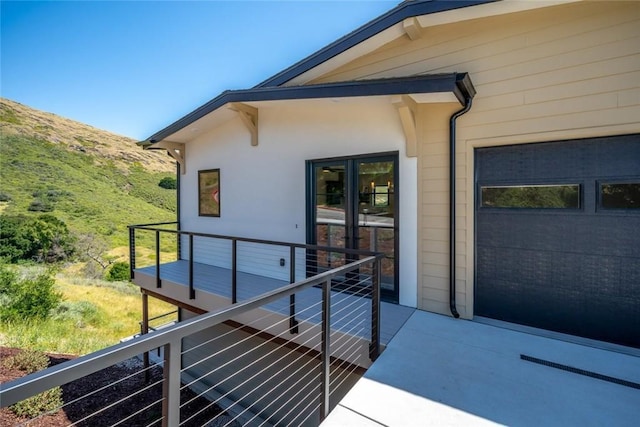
[[29, 361], [79, 312], [50, 195], [30, 298], [40, 206], [7, 279], [119, 272], [48, 401], [168, 182]]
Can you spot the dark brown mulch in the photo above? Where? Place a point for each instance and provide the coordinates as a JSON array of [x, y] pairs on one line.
[[76, 412]]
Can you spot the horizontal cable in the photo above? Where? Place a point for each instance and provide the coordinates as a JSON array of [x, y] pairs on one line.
[[285, 310], [119, 401], [339, 361], [89, 394], [311, 412], [155, 422], [243, 340], [233, 360], [244, 368], [138, 412], [217, 337], [310, 371], [313, 397], [346, 338], [110, 385]]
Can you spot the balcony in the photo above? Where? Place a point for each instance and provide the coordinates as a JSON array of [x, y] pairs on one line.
[[265, 343], [224, 270]]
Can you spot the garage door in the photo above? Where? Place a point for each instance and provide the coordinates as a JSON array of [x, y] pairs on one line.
[[558, 236]]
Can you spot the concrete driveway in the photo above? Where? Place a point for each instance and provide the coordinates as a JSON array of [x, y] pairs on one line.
[[442, 371]]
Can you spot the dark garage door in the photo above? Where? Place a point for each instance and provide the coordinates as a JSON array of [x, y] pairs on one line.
[[558, 236]]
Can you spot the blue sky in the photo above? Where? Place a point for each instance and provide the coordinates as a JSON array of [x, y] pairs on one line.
[[134, 67]]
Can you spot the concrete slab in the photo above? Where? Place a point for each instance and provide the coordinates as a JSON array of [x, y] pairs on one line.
[[442, 371]]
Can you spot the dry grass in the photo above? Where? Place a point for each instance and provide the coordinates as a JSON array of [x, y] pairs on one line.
[[98, 314], [18, 119]]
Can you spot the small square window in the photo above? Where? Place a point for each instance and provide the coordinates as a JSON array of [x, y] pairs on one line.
[[381, 195]]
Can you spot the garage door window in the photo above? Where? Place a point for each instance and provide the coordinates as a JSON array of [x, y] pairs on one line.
[[620, 195], [531, 196]]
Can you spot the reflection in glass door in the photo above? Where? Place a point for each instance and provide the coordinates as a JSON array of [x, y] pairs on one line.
[[353, 204], [330, 209]]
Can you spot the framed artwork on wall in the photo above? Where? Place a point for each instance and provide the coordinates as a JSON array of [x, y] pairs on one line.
[[209, 192]]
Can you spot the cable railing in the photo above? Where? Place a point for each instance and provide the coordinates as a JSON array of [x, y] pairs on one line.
[[248, 372], [233, 268]]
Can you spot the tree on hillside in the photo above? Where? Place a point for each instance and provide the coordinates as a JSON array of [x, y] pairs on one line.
[[168, 182], [44, 238], [94, 251]]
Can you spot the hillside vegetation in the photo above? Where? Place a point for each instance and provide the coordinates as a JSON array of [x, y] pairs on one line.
[[95, 181], [67, 193]]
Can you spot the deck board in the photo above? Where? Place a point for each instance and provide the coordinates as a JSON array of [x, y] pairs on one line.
[[217, 280]]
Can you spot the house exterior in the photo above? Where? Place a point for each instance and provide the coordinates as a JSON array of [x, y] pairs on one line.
[[491, 150]]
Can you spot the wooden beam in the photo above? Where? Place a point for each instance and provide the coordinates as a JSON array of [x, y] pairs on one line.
[[406, 110], [412, 28], [175, 150], [172, 301], [249, 116]]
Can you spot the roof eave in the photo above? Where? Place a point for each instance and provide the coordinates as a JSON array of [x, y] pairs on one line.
[[404, 10], [457, 83]]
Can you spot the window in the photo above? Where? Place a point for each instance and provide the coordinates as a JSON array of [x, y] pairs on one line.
[[381, 195], [531, 196], [620, 195]]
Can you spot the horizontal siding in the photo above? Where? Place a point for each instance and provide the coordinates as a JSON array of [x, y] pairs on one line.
[[571, 69], [495, 45], [216, 252], [252, 258]]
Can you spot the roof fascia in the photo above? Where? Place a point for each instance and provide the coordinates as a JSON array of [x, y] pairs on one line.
[[401, 12], [504, 7], [457, 83]]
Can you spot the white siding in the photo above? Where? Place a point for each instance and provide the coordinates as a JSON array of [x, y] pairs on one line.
[[262, 191]]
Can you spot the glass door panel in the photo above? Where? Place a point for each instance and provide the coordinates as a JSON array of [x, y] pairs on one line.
[[353, 205], [330, 212], [376, 214]]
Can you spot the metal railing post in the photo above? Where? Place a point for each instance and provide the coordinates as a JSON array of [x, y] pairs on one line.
[[171, 384], [325, 349], [234, 271], [374, 346], [144, 329], [178, 242], [329, 244], [158, 280], [132, 252], [373, 238], [192, 291], [293, 323]]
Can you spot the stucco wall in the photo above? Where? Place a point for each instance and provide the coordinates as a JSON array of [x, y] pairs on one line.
[[561, 72], [263, 187]]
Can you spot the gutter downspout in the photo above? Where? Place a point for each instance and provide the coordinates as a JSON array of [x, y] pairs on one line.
[[178, 215], [452, 205]]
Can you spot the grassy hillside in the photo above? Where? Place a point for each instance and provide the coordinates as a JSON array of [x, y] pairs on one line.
[[95, 181]]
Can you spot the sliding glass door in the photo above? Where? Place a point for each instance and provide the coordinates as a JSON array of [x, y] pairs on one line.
[[353, 203]]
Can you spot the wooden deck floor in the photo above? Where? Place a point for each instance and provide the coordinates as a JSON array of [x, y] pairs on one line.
[[345, 307]]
